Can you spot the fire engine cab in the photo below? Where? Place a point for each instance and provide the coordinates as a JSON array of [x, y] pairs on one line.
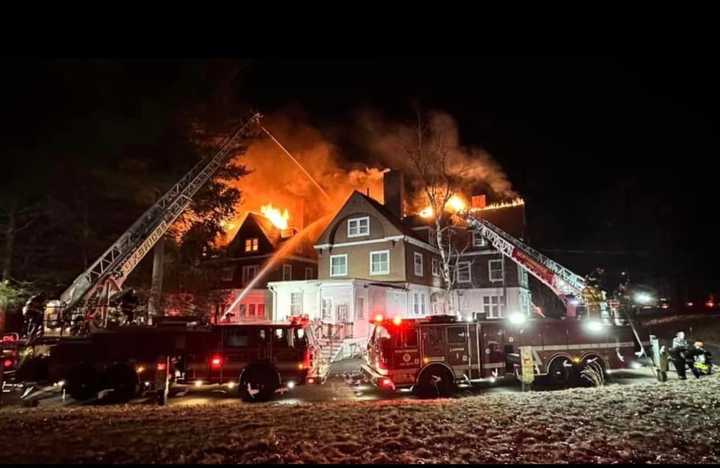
[[433, 355]]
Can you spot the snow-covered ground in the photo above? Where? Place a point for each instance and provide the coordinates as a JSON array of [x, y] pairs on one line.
[[669, 422]]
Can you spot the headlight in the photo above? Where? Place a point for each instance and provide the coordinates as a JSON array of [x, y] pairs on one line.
[[517, 318], [643, 298], [593, 326]]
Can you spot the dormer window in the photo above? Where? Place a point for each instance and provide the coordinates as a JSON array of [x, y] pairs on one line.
[[251, 245], [359, 227], [479, 240]]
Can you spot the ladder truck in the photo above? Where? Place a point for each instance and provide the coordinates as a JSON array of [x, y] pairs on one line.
[[86, 300], [435, 355]]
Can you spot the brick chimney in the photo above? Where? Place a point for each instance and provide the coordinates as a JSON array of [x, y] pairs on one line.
[[394, 192], [478, 202]]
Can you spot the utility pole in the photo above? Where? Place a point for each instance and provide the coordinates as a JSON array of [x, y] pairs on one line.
[[157, 280]]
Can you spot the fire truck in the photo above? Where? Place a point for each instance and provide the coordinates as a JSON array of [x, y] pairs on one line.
[[435, 354], [254, 360]]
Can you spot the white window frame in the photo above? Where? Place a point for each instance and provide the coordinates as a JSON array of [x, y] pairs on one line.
[[435, 267], [386, 252], [345, 256], [296, 308], [308, 273], [417, 255], [490, 270], [246, 277], [357, 221], [469, 270], [287, 268], [494, 307], [478, 240]]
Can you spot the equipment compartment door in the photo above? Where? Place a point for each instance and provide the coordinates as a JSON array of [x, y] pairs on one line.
[[457, 346]]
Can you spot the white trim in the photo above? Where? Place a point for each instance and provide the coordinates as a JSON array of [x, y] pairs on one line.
[[415, 265], [370, 241], [624, 344], [408, 239], [482, 252], [359, 234], [387, 252], [457, 272], [502, 270], [331, 265]]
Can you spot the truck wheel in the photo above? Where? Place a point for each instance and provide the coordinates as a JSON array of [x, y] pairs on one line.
[[82, 382], [124, 382], [434, 382], [591, 372], [561, 371], [258, 384]]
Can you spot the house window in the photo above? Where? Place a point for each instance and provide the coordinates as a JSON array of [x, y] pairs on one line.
[[251, 310], [435, 267], [478, 240], [496, 270], [326, 309], [296, 303], [308, 273], [494, 306], [248, 273], [338, 265], [416, 304], [418, 262], [359, 227], [261, 311], [227, 274], [463, 272], [380, 262], [251, 245], [423, 302], [342, 313], [360, 312], [287, 272]]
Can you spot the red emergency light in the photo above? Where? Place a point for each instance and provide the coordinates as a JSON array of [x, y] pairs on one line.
[[7, 363], [216, 361], [379, 318], [161, 366], [9, 338], [397, 320]]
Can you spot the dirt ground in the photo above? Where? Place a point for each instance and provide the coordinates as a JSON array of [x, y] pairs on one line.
[[651, 422]]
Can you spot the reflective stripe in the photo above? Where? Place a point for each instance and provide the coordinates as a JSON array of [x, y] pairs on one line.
[[585, 346], [494, 365]]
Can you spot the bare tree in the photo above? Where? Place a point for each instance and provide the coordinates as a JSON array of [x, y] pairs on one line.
[[441, 176]]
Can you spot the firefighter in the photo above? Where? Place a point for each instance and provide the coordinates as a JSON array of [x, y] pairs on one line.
[[33, 315], [128, 301], [678, 354], [698, 359]]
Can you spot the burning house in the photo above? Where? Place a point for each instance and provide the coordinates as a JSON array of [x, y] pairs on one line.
[[373, 259], [242, 270]]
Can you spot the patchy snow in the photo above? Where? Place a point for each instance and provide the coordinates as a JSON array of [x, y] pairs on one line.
[[667, 422]]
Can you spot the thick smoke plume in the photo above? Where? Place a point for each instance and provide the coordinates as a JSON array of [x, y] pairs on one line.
[[379, 142]]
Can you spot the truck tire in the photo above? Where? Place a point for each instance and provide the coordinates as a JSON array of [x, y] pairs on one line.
[[124, 382], [560, 373], [82, 382], [595, 365], [258, 383], [434, 382]]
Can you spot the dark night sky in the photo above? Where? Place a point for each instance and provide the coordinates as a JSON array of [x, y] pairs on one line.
[[609, 153]]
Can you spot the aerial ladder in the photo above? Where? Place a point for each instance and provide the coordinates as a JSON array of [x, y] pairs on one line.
[[572, 289], [87, 298]]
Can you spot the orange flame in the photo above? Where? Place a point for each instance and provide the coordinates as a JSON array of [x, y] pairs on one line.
[[455, 204], [506, 204], [279, 219]]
